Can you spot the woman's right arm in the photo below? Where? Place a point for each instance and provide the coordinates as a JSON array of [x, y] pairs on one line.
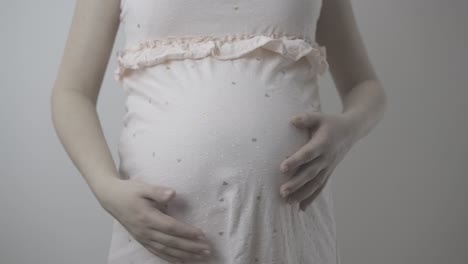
[[73, 104], [76, 88]]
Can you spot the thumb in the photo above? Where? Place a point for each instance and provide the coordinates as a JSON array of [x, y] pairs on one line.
[[159, 193], [307, 120]]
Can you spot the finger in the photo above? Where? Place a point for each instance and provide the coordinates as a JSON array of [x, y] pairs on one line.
[[292, 172], [179, 242], [305, 154], [158, 193], [173, 252], [309, 188], [303, 176], [160, 206], [162, 255], [171, 226], [307, 120], [306, 202]]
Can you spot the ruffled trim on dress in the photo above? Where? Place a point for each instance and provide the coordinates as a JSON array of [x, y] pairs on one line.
[[155, 51]]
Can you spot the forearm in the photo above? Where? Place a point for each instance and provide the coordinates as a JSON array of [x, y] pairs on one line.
[[365, 105], [77, 125]]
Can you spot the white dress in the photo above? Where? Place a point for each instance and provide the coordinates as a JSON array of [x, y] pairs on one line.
[[210, 88]]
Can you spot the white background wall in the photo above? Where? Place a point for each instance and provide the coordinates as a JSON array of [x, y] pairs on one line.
[[400, 194]]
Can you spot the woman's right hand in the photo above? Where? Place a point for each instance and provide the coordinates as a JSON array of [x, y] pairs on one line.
[[140, 208]]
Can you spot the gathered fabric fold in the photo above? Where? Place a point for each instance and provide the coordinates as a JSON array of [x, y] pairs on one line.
[[155, 51]]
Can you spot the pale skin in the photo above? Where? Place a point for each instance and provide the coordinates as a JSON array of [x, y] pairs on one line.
[[138, 206]]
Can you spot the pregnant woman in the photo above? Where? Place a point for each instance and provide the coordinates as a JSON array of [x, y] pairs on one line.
[[225, 156]]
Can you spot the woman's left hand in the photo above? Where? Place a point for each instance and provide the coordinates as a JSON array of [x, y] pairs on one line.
[[311, 166]]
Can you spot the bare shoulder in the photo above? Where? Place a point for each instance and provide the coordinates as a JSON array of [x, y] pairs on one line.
[[88, 46]]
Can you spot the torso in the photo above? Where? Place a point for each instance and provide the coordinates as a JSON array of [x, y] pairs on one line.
[[210, 87]]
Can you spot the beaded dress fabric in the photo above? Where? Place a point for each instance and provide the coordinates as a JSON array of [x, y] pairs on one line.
[[210, 87]]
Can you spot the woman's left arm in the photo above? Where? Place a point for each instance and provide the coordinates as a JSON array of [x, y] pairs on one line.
[[332, 135], [363, 98]]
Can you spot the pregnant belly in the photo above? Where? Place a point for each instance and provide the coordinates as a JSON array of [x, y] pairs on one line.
[[205, 127]]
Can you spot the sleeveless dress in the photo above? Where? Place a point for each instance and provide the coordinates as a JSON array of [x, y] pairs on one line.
[[210, 89]]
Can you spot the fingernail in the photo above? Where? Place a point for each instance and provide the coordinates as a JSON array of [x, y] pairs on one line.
[[285, 193], [206, 252], [168, 193], [296, 118], [284, 168]]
